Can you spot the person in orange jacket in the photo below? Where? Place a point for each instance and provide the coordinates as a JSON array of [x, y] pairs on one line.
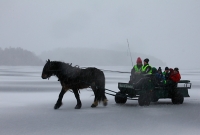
[[175, 75], [174, 78]]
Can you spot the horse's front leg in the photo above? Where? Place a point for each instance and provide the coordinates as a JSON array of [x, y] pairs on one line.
[[59, 101], [95, 103], [79, 104]]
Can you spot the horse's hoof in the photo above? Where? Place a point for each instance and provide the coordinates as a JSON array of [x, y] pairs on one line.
[[105, 102], [78, 107], [93, 105], [57, 106]]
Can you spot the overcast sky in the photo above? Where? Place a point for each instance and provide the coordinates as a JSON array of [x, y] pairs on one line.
[[167, 29]]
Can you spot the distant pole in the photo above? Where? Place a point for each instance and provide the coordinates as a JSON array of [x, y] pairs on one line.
[[130, 52]]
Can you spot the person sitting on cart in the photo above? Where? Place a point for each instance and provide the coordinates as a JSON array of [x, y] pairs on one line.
[[146, 68], [174, 78], [159, 75], [166, 73], [136, 71], [175, 75]]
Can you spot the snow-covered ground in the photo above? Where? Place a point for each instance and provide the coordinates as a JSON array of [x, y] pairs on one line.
[[27, 101]]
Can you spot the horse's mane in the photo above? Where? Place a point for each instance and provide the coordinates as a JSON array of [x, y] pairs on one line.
[[66, 69]]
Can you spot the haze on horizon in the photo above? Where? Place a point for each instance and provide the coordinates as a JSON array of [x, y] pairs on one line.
[[168, 30]]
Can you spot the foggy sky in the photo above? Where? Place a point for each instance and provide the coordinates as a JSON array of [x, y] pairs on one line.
[[167, 29]]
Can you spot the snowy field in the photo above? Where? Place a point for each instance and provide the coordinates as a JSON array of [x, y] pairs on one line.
[[27, 101]]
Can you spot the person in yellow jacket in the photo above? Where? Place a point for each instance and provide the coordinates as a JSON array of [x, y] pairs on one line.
[[146, 68], [136, 71]]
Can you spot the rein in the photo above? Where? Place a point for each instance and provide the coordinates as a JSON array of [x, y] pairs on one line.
[[114, 71], [109, 70]]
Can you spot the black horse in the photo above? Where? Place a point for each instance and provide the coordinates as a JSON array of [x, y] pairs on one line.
[[75, 78]]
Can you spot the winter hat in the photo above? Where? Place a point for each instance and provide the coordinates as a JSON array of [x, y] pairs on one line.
[[159, 69], [176, 69], [139, 60], [166, 68], [146, 60]]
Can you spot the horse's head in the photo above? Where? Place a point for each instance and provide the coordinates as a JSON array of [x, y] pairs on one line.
[[46, 73]]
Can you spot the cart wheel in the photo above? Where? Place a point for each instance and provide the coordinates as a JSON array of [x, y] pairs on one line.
[[177, 98], [120, 98], [144, 100]]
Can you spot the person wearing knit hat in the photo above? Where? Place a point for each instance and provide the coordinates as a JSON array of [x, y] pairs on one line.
[[146, 68], [136, 70]]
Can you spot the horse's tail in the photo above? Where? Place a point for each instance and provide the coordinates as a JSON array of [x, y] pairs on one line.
[[100, 86]]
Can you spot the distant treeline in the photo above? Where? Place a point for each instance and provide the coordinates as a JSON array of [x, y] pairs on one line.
[[18, 57], [99, 57]]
